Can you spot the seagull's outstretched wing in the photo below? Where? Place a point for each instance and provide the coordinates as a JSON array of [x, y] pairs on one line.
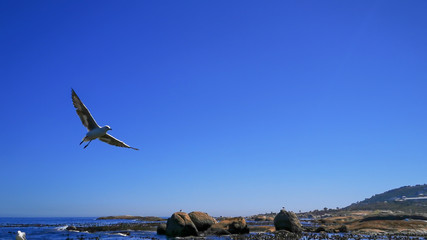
[[83, 112], [114, 141]]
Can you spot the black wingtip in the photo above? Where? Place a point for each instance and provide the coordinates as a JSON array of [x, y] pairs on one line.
[[73, 93]]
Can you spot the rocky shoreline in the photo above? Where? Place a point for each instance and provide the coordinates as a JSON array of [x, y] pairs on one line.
[[284, 225], [364, 222]]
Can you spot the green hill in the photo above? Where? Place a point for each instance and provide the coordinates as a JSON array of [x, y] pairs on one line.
[[410, 199]]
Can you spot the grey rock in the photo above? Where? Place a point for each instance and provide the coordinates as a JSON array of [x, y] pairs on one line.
[[289, 221]]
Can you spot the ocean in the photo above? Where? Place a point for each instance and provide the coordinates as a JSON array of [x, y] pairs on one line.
[[54, 228]]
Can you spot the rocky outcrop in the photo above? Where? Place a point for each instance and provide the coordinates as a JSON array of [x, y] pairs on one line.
[[260, 218], [257, 228], [368, 222], [393, 217], [128, 217], [202, 220], [116, 227], [229, 226], [180, 225], [288, 221], [71, 228]]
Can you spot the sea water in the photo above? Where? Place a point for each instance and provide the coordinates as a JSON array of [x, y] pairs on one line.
[[55, 229]]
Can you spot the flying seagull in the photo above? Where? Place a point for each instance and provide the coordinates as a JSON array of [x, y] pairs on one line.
[[94, 130]]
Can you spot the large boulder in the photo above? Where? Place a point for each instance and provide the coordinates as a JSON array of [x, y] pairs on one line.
[[202, 220], [180, 225], [288, 221], [229, 226]]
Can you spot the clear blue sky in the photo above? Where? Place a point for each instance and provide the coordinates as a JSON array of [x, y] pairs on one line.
[[238, 107]]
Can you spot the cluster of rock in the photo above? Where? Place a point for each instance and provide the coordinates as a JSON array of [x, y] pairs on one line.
[[229, 226], [264, 218], [261, 218], [181, 224]]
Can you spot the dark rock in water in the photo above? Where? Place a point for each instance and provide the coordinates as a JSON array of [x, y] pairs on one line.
[[308, 229], [232, 225], [180, 225], [71, 228], [161, 229], [289, 221], [343, 229], [259, 229], [202, 220], [320, 229], [236, 225]]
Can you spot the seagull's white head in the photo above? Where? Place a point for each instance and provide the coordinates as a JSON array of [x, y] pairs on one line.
[[107, 127]]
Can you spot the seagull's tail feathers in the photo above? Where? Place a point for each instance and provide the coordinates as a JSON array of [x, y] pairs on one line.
[[83, 140]]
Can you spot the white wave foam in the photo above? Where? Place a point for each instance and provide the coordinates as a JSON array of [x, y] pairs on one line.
[[63, 228]]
